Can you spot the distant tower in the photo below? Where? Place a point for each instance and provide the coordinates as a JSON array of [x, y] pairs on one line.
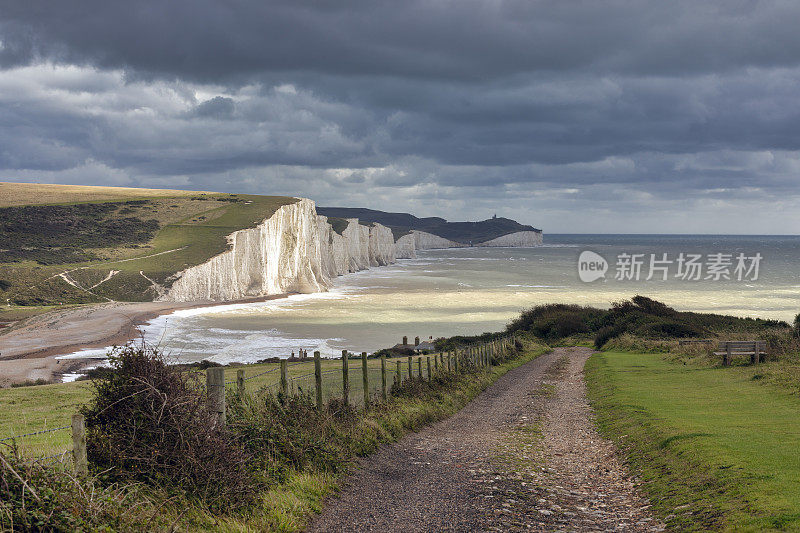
[[494, 216]]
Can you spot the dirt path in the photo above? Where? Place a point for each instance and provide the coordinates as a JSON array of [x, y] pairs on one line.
[[524, 455]]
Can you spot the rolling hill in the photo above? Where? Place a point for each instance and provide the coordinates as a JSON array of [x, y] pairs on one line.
[[63, 244], [461, 232]]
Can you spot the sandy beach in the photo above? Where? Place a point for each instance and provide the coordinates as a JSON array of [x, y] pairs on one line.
[[30, 350]]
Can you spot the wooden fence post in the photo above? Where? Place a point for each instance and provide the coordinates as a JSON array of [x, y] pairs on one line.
[[318, 378], [384, 393], [410, 370], [398, 378], [419, 367], [284, 383], [455, 362], [436, 361], [429, 368], [81, 464], [215, 389], [365, 379], [345, 378], [240, 382]]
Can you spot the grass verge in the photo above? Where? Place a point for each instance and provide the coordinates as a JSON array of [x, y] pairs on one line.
[[714, 447]]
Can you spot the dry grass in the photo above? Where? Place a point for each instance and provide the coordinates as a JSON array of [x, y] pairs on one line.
[[12, 194]]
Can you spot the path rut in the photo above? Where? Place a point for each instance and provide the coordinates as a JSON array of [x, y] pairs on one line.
[[524, 455]]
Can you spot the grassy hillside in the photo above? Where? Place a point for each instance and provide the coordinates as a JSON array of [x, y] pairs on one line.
[[402, 223], [715, 447], [71, 244]]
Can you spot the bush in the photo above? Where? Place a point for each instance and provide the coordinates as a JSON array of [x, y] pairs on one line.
[[284, 436], [149, 422], [639, 316], [604, 335], [31, 383]]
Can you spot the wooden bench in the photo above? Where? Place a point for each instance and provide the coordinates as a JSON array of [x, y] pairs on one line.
[[757, 350]]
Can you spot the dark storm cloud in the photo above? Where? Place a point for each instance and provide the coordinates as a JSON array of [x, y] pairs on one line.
[[369, 102], [452, 39]]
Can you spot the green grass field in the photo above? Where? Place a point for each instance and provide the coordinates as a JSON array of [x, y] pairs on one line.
[[716, 447], [30, 409]]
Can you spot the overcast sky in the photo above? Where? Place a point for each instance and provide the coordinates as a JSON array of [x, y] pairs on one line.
[[573, 116]]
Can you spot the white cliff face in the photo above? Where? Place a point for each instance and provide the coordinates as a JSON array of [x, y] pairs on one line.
[[356, 238], [429, 241], [405, 247], [381, 245], [282, 254], [521, 239], [296, 250]]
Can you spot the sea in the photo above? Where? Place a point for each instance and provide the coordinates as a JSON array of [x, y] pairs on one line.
[[466, 291]]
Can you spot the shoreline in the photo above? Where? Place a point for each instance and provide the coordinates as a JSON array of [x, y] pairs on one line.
[[30, 351]]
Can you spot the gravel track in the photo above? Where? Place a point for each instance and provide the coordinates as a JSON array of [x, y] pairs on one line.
[[524, 455]]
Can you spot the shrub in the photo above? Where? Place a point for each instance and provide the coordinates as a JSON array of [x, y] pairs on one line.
[[149, 422], [281, 436], [640, 316], [669, 329], [604, 335], [31, 383]]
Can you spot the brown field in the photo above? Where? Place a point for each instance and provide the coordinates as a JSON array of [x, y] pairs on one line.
[[12, 194]]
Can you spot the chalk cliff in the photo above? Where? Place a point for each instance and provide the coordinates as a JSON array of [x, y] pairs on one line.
[[296, 250], [429, 241], [519, 239], [282, 254], [405, 247]]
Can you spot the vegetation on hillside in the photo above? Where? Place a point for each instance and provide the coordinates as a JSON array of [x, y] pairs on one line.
[[58, 234], [639, 317]]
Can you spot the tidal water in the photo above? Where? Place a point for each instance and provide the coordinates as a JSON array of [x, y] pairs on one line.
[[473, 290]]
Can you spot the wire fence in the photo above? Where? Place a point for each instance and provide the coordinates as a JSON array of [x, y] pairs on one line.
[[38, 446], [356, 381]]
